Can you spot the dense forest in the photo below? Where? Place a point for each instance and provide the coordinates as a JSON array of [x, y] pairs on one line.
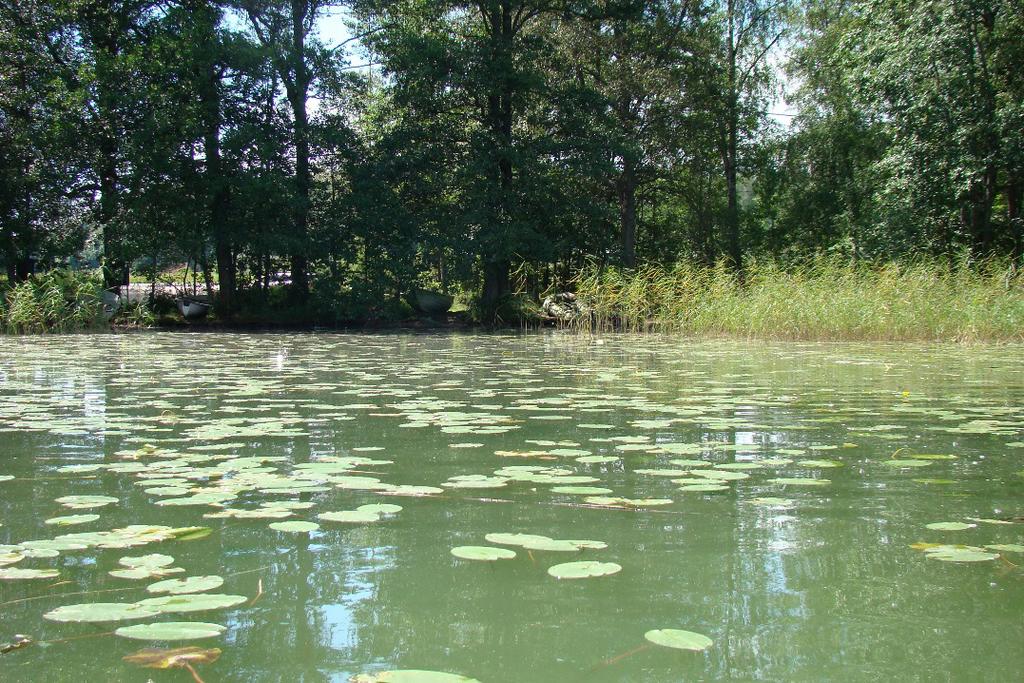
[[501, 146]]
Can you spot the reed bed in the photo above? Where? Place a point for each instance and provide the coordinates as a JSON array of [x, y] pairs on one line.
[[821, 299]]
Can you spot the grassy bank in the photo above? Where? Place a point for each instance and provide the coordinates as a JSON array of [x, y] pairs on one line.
[[823, 299]]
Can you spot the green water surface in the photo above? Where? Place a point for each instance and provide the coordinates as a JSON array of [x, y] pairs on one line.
[[816, 583]]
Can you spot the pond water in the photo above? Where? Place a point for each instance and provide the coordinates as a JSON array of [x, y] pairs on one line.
[[775, 498]]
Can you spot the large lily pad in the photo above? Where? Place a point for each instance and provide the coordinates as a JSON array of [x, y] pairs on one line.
[[101, 611], [171, 630], [191, 584], [350, 516], [16, 574], [679, 639], [584, 570], [192, 602], [482, 553], [70, 520], [950, 526], [296, 527]]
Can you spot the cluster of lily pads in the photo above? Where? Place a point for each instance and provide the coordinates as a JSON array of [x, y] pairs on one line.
[[504, 399], [531, 542], [171, 596]]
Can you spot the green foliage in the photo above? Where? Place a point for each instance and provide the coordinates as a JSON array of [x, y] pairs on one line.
[[492, 148], [57, 301], [135, 314], [823, 298]]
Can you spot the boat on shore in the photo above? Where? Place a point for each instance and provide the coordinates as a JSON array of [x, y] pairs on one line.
[[428, 302], [193, 308]]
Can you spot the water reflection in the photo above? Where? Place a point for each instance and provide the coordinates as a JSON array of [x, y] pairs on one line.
[[824, 589]]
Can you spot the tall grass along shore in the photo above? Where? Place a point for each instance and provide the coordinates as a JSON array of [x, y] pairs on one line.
[[823, 299]]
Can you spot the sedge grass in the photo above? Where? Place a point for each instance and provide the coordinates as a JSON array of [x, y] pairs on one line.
[[822, 299]]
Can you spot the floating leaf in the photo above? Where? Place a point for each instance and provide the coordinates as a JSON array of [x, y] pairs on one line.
[[171, 630], [192, 602], [412, 676], [1007, 547], [704, 488], [800, 481], [190, 533], [101, 611], [959, 553], [770, 502], [581, 490], [85, 502], [177, 658], [950, 526], [16, 574], [515, 539], [679, 639], [482, 553], [349, 516], [296, 527], [153, 561], [552, 545], [380, 508], [191, 584], [69, 520], [584, 570]]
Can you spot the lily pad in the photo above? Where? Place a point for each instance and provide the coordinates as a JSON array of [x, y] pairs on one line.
[[16, 574], [171, 630], [69, 520], [101, 611], [412, 676], [581, 490], [584, 570], [482, 553], [380, 508], [349, 517], [176, 658], [950, 526], [191, 584], [296, 527], [192, 602], [958, 553], [679, 639], [85, 502], [514, 539]]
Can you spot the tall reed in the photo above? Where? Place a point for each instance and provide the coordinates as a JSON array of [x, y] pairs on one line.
[[821, 299], [55, 301]]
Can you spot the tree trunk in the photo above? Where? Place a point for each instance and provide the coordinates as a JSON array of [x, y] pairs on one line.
[[1014, 194], [218, 190], [303, 176], [730, 155], [732, 216], [627, 214], [497, 263], [976, 214], [497, 284], [115, 268]]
